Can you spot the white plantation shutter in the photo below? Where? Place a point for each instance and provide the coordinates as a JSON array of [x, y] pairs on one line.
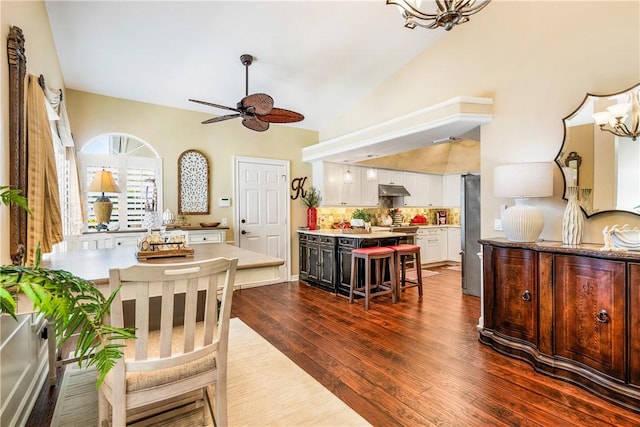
[[130, 173]]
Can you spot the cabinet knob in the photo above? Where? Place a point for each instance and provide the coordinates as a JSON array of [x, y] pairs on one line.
[[602, 316], [526, 296]]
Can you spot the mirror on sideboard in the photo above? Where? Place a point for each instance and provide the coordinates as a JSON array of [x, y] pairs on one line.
[[605, 166]]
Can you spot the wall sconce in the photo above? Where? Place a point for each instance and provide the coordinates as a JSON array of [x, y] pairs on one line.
[[613, 120], [103, 182], [348, 177], [523, 223], [372, 174]]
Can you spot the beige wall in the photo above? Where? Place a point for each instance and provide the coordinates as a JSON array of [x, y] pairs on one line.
[[171, 131], [536, 60], [31, 17]]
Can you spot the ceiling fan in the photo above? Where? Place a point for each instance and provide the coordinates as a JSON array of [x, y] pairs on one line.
[[256, 110]]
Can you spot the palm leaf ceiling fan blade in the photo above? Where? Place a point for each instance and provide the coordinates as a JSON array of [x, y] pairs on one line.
[[261, 102], [256, 110], [220, 118], [254, 123], [280, 115]]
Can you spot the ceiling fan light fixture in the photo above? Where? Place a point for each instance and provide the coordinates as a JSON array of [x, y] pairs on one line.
[[256, 110], [449, 14]]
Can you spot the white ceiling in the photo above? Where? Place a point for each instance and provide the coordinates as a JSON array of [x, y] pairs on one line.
[[314, 57]]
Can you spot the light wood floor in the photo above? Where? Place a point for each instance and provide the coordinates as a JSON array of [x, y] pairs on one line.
[[413, 363]]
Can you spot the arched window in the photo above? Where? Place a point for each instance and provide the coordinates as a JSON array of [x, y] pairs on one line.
[[133, 163]]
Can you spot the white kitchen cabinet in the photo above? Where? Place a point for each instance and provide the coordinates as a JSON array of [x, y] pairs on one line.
[[454, 244], [368, 190], [433, 185], [332, 184], [129, 239], [451, 190], [206, 236], [335, 192], [433, 244], [390, 177], [415, 183]]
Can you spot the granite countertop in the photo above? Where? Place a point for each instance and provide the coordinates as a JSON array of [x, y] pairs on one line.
[[332, 232]]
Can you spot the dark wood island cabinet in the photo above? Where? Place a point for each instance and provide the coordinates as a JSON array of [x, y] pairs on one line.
[[572, 312], [325, 256], [317, 260]]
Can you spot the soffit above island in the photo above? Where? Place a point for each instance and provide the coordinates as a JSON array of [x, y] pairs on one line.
[[434, 124]]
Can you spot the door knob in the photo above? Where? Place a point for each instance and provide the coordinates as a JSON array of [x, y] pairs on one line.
[[245, 232]]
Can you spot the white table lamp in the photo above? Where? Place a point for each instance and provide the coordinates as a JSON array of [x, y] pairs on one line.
[[523, 223]]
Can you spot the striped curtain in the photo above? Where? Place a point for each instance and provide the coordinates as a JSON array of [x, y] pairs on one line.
[[76, 214], [45, 226]]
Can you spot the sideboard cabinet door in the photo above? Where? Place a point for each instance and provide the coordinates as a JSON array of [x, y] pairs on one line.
[[634, 324], [515, 298], [590, 312]]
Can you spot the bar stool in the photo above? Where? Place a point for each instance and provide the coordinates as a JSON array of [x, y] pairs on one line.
[[376, 258], [403, 254]]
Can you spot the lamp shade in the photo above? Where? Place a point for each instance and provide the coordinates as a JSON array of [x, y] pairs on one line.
[[523, 223], [523, 180], [103, 182]]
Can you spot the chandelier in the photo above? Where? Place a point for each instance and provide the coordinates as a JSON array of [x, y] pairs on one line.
[[450, 12], [613, 120]]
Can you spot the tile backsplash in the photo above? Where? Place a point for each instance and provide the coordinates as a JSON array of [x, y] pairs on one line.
[[327, 216]]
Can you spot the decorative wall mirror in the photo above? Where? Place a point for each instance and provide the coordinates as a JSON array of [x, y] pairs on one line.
[[17, 141], [193, 183], [607, 165]]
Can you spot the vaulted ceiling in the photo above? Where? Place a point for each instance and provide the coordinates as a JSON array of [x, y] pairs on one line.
[[315, 57]]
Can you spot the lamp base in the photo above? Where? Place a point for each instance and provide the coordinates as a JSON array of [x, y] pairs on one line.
[[522, 223], [102, 208]]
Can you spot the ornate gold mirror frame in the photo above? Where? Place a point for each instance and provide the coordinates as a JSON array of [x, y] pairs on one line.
[[193, 183], [17, 141]]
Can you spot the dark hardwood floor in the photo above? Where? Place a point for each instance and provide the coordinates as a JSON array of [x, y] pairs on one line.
[[415, 363]]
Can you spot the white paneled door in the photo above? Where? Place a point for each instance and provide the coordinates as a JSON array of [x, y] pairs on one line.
[[261, 221]]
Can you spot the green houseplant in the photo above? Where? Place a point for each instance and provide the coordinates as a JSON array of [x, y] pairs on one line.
[[361, 218], [312, 198], [362, 214], [76, 305]]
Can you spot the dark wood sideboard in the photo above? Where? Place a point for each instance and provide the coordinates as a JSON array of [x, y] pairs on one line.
[[572, 312]]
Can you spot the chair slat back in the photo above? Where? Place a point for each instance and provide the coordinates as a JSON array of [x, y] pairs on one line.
[[192, 280]]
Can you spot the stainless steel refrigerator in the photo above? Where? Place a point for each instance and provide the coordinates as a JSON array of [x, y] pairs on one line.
[[470, 233]]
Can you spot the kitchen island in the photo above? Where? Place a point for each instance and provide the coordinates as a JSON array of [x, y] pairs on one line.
[[325, 255]]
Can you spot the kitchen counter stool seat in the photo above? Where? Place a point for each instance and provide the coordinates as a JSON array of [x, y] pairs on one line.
[[404, 254], [376, 258]]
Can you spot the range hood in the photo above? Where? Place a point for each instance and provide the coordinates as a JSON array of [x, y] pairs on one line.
[[392, 190]]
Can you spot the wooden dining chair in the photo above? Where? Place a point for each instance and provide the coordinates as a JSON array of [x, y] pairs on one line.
[[188, 351]]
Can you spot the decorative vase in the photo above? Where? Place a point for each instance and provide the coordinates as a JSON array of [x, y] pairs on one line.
[[572, 220], [312, 218]]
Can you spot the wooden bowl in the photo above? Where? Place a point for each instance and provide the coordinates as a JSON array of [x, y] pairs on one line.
[[209, 224]]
